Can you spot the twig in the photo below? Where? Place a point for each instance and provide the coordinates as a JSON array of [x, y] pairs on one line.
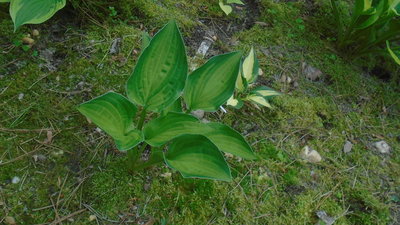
[[2, 129], [68, 216]]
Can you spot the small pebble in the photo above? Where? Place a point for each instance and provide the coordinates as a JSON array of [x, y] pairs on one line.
[[15, 180], [198, 113], [92, 218], [382, 147], [10, 220], [35, 33], [28, 41], [310, 155], [347, 147], [21, 96]]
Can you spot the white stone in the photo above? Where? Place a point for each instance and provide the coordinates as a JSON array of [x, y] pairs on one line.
[[310, 155], [15, 180], [382, 147], [21, 96], [198, 113], [347, 147]]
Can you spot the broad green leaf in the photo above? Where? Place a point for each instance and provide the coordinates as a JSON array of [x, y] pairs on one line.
[[163, 129], [194, 156], [228, 140], [265, 92], [250, 67], [237, 103], [145, 40], [234, 1], [174, 107], [395, 55], [259, 100], [4, 0], [33, 11], [114, 114], [160, 73], [212, 84], [226, 8]]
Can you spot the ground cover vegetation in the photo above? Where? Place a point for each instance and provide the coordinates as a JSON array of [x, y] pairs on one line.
[[318, 154]]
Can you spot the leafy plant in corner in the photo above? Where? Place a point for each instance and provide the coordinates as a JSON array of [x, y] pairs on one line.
[[226, 5], [159, 84], [374, 26], [246, 79], [33, 11]]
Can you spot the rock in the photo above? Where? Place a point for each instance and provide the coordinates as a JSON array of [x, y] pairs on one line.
[[28, 41], [21, 96], [15, 180], [10, 220], [92, 218], [35, 33], [198, 113], [310, 155], [204, 47], [382, 147], [115, 46], [324, 218], [347, 147], [310, 72]]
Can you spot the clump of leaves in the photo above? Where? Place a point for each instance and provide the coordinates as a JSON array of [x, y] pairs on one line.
[[373, 26], [226, 5], [245, 90], [158, 85], [33, 11]]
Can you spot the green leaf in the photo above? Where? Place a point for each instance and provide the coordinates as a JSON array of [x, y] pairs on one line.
[[4, 0], [228, 140], [163, 129], [161, 71], [259, 100], [174, 107], [226, 8], [212, 84], [33, 11], [234, 1], [395, 55], [250, 67], [265, 92], [114, 114], [194, 156]]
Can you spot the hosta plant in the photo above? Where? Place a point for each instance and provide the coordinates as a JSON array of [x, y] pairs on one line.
[[226, 5], [33, 11], [160, 85], [245, 90], [374, 26]]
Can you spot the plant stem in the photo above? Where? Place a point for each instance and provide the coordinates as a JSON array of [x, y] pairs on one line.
[[141, 120], [156, 157]]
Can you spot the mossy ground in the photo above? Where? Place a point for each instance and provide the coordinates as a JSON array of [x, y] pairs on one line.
[[81, 169]]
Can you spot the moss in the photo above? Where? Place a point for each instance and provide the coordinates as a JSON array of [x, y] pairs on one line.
[[346, 104]]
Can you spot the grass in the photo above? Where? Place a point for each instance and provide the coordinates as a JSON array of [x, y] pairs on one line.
[[81, 169]]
